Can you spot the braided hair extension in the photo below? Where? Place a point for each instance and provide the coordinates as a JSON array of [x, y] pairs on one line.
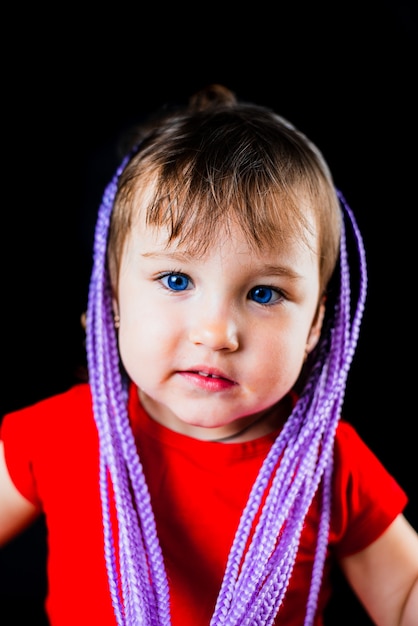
[[261, 559], [138, 586], [253, 592]]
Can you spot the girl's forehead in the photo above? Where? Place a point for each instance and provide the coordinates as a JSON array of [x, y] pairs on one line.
[[227, 239], [192, 221]]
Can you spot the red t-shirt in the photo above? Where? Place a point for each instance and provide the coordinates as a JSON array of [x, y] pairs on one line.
[[198, 490]]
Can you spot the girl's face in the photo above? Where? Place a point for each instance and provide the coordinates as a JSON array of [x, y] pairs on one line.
[[213, 342]]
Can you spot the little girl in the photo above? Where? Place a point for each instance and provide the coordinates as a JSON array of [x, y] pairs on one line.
[[203, 475]]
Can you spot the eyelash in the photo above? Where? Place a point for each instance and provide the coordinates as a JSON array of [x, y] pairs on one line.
[[267, 288]]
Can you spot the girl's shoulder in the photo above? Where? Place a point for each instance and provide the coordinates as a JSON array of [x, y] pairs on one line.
[[366, 496], [40, 428], [49, 444]]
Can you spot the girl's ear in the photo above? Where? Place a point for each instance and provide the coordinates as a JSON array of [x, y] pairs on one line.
[[116, 318], [315, 331]]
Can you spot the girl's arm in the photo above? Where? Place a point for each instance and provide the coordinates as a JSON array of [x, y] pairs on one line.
[[16, 513], [384, 575]]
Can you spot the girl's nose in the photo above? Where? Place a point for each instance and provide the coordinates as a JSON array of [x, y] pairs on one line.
[[216, 332]]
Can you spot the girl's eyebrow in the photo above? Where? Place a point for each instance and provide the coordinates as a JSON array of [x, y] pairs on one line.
[[280, 270], [178, 255], [270, 269]]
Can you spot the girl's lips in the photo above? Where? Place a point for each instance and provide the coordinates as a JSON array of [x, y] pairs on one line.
[[208, 379]]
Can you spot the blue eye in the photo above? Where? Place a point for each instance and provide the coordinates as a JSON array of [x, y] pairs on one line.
[[175, 282], [263, 295]]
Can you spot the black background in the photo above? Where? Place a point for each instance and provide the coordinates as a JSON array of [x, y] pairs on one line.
[[74, 81]]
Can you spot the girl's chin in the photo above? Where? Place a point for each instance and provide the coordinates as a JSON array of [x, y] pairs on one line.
[[216, 430], [193, 427], [218, 421]]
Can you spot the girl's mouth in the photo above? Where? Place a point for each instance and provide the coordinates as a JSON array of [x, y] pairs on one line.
[[209, 375], [207, 380]]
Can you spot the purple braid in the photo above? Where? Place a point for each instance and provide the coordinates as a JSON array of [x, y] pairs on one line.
[[256, 579], [138, 587], [253, 593]]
